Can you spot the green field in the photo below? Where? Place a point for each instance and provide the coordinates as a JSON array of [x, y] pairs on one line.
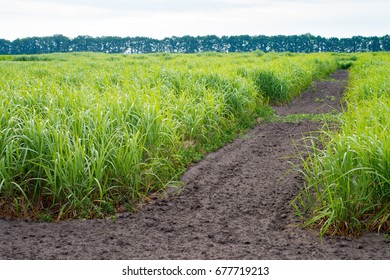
[[85, 135], [348, 178]]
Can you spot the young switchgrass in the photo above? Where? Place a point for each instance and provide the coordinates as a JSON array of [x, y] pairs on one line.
[[348, 181], [82, 135]]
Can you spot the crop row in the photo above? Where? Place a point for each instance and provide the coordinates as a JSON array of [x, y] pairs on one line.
[[86, 135], [348, 180]]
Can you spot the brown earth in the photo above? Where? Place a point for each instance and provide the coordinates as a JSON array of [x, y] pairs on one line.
[[235, 205], [323, 96]]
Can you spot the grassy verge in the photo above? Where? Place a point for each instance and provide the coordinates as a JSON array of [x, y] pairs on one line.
[[348, 178]]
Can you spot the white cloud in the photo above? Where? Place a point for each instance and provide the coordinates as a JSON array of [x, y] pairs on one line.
[[163, 18]]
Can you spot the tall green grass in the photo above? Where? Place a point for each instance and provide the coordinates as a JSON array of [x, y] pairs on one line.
[[85, 135], [286, 78], [348, 178]]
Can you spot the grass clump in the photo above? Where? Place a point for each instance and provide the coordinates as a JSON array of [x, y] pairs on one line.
[[345, 61], [288, 76]]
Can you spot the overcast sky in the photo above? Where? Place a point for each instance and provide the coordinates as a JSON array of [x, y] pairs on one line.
[[165, 18]]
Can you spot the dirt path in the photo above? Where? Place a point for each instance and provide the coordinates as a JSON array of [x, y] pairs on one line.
[[235, 206], [323, 97]]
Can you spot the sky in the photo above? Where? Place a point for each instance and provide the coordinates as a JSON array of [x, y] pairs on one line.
[[165, 18]]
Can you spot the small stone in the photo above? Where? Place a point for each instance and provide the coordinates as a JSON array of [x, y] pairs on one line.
[[283, 216]]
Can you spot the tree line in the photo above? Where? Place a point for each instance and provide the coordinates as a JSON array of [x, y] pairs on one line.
[[189, 44]]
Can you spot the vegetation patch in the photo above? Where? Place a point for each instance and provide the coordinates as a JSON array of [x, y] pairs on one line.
[[87, 135], [348, 178], [325, 117]]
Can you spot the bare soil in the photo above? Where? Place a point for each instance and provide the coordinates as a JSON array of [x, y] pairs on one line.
[[235, 205], [324, 96]]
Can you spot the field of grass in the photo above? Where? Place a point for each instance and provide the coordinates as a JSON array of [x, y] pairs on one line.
[[86, 135], [348, 179]]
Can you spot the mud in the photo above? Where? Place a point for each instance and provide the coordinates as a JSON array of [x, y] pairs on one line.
[[235, 205]]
